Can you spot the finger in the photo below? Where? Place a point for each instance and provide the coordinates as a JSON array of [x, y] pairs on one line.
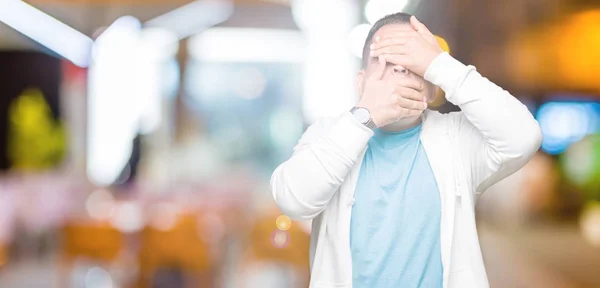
[[409, 93], [379, 68], [392, 41], [403, 113], [420, 27], [410, 104], [409, 83], [414, 112], [398, 49]]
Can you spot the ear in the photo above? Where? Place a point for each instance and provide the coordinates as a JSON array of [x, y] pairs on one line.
[[360, 82]]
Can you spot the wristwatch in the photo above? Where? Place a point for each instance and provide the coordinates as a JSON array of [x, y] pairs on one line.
[[363, 116]]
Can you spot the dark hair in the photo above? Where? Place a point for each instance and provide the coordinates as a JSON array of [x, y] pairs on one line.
[[396, 18]]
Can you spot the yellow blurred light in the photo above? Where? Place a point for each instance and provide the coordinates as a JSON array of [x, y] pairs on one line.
[[283, 222], [578, 50], [31, 123]]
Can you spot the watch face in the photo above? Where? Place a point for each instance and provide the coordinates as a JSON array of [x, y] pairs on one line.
[[362, 115]]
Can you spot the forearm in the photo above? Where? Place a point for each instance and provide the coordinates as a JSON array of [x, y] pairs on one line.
[[505, 124], [303, 185]]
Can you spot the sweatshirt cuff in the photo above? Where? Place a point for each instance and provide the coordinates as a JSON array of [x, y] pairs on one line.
[[447, 73], [350, 135]]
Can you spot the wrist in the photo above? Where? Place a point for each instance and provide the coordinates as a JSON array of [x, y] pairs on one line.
[[363, 115]]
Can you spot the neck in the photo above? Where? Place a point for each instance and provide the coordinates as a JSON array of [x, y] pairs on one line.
[[402, 124]]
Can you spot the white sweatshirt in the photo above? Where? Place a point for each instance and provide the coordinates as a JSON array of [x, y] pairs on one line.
[[493, 136]]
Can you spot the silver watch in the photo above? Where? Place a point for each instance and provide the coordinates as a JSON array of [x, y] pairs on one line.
[[363, 116]]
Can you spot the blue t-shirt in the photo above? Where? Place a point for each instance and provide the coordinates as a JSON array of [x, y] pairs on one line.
[[395, 229]]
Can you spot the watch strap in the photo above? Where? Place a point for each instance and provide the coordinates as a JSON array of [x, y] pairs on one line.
[[370, 124]]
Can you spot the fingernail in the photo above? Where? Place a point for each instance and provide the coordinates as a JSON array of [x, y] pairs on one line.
[[372, 46], [372, 53], [376, 38]]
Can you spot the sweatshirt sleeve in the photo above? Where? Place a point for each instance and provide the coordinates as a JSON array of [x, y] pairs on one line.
[[303, 185], [496, 133]]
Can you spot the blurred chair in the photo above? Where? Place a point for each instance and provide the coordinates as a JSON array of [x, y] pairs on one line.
[[271, 248], [3, 254], [95, 241], [178, 248]]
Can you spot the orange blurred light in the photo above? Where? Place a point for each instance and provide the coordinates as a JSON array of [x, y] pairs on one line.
[[562, 55]]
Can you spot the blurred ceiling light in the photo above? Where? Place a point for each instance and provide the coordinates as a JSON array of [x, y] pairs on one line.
[[51, 33], [113, 118], [119, 28], [159, 43], [377, 9], [193, 17], [316, 16], [248, 45], [329, 67], [357, 39]]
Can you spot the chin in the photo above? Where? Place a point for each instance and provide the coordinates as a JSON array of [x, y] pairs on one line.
[[403, 123]]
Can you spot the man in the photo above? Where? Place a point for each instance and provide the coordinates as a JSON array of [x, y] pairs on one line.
[[390, 186]]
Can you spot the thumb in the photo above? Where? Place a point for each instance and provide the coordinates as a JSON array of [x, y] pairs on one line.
[[380, 68], [420, 27]]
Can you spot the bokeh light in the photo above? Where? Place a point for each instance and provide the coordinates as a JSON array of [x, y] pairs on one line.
[[563, 123], [590, 223], [357, 38], [283, 222], [98, 278], [128, 217], [164, 216], [211, 228], [100, 204], [581, 165], [280, 239], [251, 83]]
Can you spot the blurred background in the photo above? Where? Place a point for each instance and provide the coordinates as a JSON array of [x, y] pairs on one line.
[[137, 137]]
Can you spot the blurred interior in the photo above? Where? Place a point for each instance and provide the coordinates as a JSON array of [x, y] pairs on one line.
[[137, 137]]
